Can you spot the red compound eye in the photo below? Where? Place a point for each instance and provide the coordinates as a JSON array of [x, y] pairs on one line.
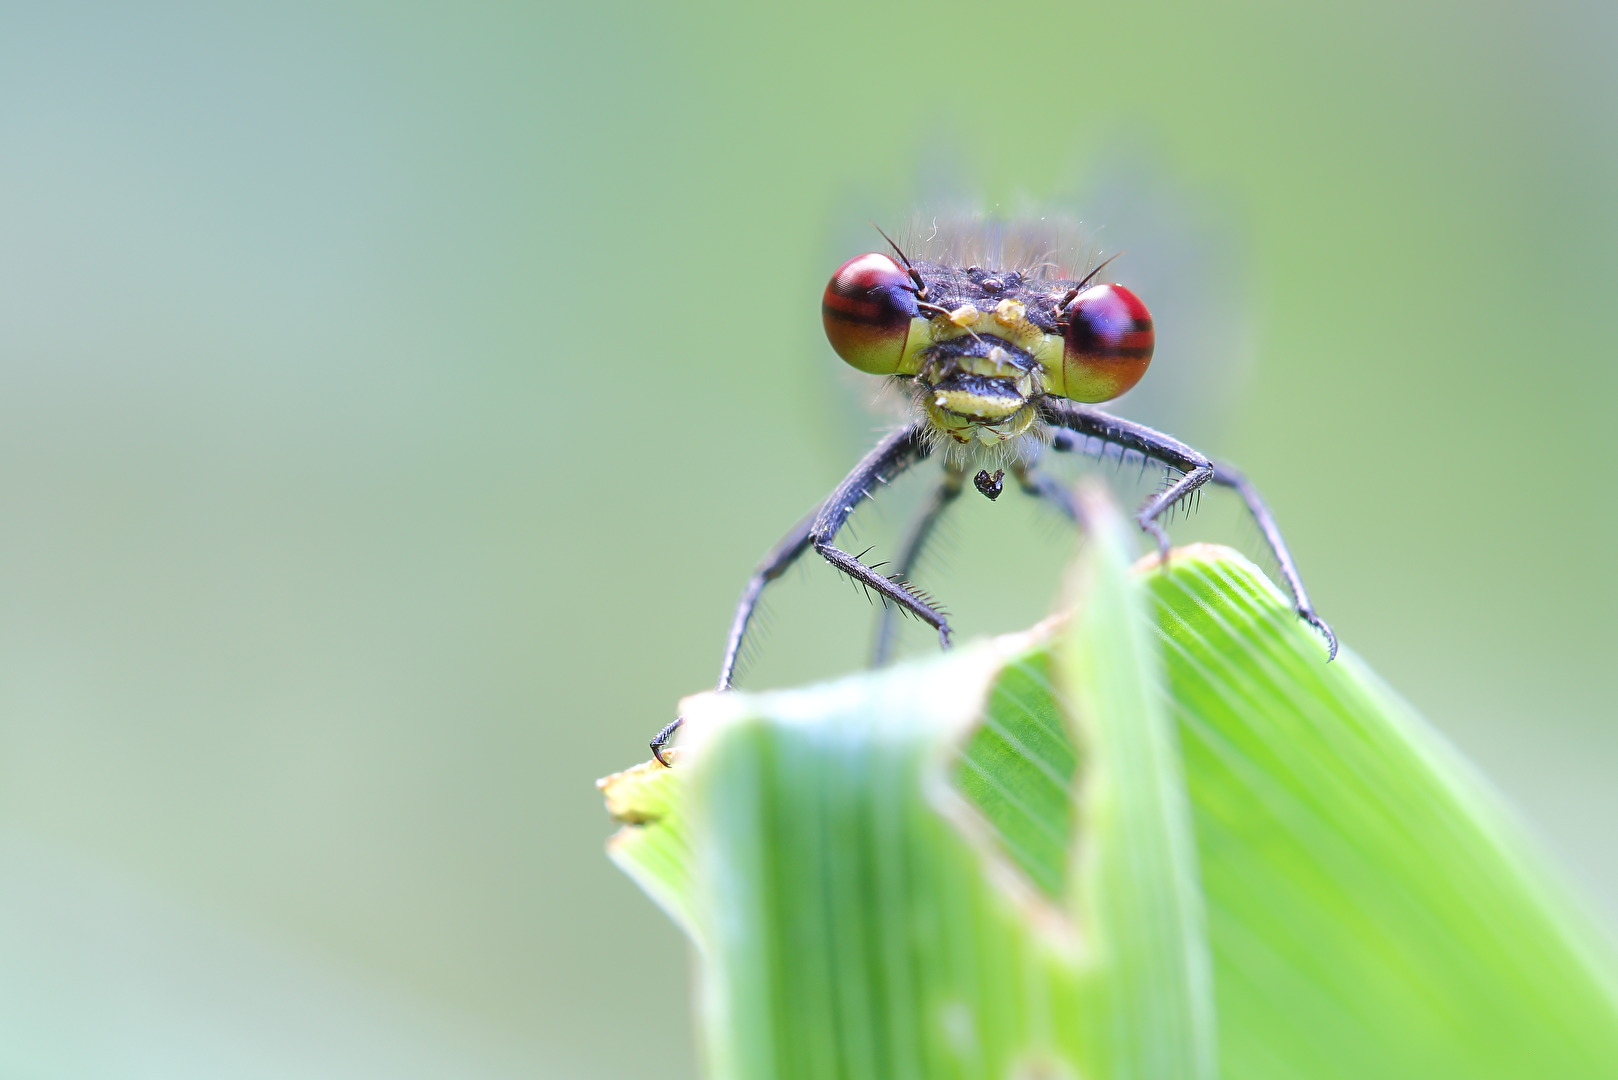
[[1107, 343], [867, 309]]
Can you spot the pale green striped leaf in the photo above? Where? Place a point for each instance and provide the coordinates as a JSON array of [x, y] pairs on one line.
[[915, 874]]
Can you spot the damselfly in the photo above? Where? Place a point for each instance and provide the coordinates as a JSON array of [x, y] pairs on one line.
[[1001, 357]]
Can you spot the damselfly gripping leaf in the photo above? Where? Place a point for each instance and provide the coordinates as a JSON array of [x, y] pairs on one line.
[[1002, 350]]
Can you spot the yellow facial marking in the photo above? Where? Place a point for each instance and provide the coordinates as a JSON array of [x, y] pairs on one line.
[[963, 430], [1010, 313], [1008, 320], [990, 408]]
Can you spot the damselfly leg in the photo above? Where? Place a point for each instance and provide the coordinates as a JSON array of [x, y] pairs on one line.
[[1075, 425], [891, 457]]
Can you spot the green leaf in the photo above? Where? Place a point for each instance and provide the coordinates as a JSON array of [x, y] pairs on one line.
[[654, 847], [1138, 884], [1372, 911], [852, 930], [914, 873]]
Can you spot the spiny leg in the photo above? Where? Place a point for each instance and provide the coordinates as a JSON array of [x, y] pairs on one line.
[[1076, 423], [897, 591], [1231, 477], [890, 457], [1032, 482], [777, 562], [1072, 419], [915, 540]]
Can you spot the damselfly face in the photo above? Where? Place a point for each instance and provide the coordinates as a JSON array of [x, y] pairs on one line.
[[982, 346]]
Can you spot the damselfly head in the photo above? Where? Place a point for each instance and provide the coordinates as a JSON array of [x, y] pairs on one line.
[[984, 343]]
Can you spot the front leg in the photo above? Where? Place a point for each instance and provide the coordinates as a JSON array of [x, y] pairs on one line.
[[890, 457], [1072, 420], [1227, 476], [1075, 424], [911, 446]]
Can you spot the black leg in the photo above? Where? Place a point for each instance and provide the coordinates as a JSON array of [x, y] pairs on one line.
[[1075, 425], [777, 562], [1072, 419], [892, 456], [1228, 476], [1042, 486], [920, 529]]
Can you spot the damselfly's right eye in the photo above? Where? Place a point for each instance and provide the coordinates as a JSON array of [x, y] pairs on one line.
[[867, 309]]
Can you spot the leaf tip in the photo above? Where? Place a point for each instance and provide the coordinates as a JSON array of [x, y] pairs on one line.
[[633, 795]]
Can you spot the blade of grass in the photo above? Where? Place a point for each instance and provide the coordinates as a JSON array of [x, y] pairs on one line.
[[654, 847], [860, 918], [1136, 883], [1371, 910]]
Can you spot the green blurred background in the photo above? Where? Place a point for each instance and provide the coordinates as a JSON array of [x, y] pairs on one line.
[[395, 397]]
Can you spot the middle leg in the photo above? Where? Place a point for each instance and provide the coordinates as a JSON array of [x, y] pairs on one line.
[[920, 530], [895, 454], [1042, 485]]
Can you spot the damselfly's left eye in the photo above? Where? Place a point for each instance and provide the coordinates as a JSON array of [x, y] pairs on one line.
[[1107, 343], [867, 309]]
